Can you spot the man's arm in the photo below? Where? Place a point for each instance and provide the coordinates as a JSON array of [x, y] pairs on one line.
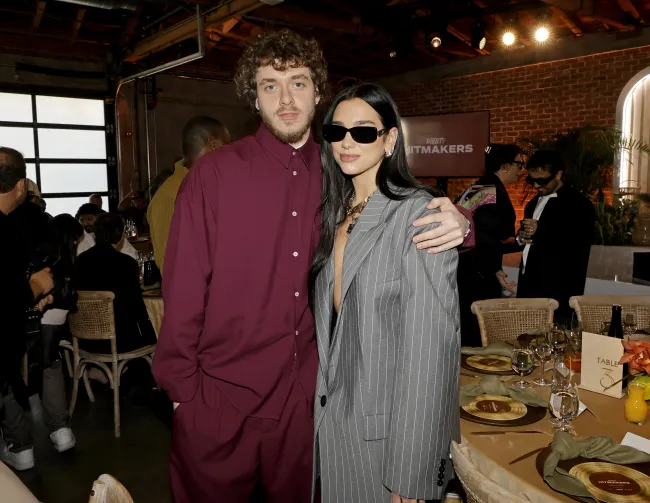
[[424, 415], [186, 280], [455, 227]]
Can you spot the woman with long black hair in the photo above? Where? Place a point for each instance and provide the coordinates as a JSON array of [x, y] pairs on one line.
[[386, 317]]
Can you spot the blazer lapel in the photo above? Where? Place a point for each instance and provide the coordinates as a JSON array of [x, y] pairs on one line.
[[365, 234], [323, 313]]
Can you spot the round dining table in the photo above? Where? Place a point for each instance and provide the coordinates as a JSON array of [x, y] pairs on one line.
[[492, 452]]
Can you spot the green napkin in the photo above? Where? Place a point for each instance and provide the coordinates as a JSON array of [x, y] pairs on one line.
[[496, 348], [492, 385], [564, 447]]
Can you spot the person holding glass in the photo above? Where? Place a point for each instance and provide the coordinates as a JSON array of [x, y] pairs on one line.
[[386, 317], [480, 272]]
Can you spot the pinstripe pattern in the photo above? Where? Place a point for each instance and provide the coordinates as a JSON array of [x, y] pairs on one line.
[[390, 372]]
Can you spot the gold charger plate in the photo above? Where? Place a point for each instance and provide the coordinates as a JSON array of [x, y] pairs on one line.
[[607, 482], [497, 410], [487, 364]]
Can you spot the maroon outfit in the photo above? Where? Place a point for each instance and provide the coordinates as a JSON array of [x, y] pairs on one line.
[[237, 346]]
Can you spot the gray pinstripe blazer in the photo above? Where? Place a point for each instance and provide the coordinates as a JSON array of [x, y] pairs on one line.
[[387, 408]]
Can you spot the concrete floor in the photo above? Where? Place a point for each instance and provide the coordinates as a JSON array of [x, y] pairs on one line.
[[139, 458]]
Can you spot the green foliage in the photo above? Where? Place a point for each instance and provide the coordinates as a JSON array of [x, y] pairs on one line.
[[615, 222]]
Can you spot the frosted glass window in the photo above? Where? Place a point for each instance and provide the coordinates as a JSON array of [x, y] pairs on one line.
[[57, 110], [74, 178], [31, 172], [71, 144], [19, 138], [15, 107], [70, 205]]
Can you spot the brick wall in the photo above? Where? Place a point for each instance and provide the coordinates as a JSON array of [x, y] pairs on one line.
[[531, 99]]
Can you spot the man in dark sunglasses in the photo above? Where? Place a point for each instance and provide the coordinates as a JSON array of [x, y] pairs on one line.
[[555, 235]]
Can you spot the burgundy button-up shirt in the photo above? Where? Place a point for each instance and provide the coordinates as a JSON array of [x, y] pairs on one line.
[[235, 278]]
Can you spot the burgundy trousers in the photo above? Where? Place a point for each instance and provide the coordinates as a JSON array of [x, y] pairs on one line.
[[218, 455]]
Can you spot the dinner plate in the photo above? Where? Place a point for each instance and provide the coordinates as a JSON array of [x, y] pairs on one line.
[[497, 410], [487, 364]]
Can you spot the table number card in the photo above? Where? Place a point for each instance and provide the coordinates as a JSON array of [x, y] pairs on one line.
[[600, 367]]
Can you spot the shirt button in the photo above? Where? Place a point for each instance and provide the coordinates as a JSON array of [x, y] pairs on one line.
[[295, 254], [295, 173], [296, 332], [293, 153], [294, 214], [297, 294]]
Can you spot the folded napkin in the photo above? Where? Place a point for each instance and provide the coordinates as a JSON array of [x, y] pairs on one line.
[[564, 447], [496, 348], [492, 385]]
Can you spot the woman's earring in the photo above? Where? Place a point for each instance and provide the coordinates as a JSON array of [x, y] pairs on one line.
[[388, 154]]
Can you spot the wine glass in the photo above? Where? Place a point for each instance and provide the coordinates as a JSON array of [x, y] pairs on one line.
[[543, 351], [557, 338], [629, 325], [522, 363], [564, 405], [604, 327]]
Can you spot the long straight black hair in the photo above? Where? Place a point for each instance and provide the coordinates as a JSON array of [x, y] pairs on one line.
[[337, 186]]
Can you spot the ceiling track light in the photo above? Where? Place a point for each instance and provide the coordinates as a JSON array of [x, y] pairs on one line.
[[436, 40], [543, 29], [479, 37]]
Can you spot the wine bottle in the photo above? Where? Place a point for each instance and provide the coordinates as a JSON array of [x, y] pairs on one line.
[[616, 330]]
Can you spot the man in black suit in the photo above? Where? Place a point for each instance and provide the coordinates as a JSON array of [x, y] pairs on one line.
[[556, 235], [103, 267]]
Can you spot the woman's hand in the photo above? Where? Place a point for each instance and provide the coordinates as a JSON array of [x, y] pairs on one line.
[[508, 285], [396, 498]]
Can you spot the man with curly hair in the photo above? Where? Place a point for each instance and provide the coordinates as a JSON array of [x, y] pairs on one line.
[[236, 352]]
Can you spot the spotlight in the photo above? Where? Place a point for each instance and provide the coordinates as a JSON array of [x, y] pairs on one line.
[[479, 39], [436, 41], [393, 54], [508, 38], [542, 34]]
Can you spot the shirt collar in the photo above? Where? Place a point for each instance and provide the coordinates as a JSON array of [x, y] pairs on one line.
[[179, 168], [284, 152]]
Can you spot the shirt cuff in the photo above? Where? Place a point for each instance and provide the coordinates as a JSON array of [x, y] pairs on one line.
[[470, 241]]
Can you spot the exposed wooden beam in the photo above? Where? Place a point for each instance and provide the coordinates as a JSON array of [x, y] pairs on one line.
[[629, 7], [464, 38], [501, 25], [187, 29], [564, 18], [225, 29], [38, 15], [607, 21], [76, 25], [457, 52]]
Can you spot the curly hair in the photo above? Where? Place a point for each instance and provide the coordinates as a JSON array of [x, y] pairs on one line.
[[282, 49]]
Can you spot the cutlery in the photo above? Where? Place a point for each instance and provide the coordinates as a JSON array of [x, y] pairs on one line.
[[526, 456], [468, 375]]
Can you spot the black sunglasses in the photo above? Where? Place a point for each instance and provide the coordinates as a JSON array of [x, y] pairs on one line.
[[542, 182], [361, 134]]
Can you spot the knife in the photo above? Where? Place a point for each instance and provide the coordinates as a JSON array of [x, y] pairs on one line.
[[527, 455], [503, 432]]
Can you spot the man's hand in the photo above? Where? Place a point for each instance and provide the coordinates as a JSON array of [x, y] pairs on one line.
[[508, 285], [44, 302], [41, 282], [176, 404], [449, 234], [528, 228], [396, 498]]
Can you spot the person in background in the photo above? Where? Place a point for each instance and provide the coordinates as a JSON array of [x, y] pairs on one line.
[[556, 235], [18, 293], [134, 207], [103, 267], [200, 135], [237, 344], [480, 272], [65, 232], [87, 215], [30, 219], [97, 200]]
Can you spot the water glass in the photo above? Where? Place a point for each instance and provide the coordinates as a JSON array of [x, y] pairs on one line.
[[557, 337], [523, 364], [564, 405], [543, 351]]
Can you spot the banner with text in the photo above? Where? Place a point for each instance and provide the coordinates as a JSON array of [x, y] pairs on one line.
[[450, 145]]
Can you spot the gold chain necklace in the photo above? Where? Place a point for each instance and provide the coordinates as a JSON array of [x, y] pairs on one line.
[[355, 211]]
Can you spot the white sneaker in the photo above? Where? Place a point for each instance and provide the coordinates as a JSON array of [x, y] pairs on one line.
[[63, 439], [23, 460]]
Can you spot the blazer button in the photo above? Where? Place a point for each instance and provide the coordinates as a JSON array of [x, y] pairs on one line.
[[323, 401], [442, 470], [440, 483]]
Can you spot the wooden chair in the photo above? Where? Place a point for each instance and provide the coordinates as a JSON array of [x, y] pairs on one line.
[[94, 320], [507, 319], [479, 488], [592, 310], [107, 489], [155, 309]]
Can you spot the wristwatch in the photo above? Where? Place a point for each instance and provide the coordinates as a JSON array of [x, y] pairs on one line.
[[520, 241], [469, 229]]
